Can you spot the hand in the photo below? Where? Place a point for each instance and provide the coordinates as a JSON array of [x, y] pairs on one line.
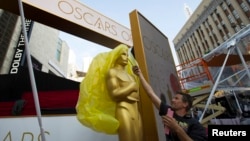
[[174, 127], [136, 70], [170, 123]]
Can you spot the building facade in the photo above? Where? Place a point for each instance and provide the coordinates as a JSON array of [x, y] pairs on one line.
[[48, 52], [8, 38], [210, 25]]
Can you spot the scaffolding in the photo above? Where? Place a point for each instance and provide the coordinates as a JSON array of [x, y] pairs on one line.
[[195, 77], [222, 72]]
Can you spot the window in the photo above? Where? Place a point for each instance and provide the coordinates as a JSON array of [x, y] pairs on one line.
[[230, 18], [59, 50], [228, 2], [224, 7], [244, 7], [236, 15]]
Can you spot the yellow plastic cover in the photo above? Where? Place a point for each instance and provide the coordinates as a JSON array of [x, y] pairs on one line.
[[95, 108]]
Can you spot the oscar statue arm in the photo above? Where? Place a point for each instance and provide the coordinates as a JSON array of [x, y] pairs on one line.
[[119, 91]]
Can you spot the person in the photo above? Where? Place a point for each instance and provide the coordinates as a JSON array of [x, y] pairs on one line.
[[109, 96], [181, 126]]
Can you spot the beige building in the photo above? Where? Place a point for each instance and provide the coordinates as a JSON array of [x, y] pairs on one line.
[[209, 35], [211, 24], [48, 52]]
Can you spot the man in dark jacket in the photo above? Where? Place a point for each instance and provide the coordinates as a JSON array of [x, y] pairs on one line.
[[181, 126]]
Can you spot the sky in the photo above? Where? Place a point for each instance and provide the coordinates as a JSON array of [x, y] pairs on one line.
[[166, 15]]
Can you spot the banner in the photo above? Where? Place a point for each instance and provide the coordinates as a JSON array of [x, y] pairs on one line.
[[19, 55], [56, 128]]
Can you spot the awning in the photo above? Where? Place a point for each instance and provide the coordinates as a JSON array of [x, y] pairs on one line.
[[240, 40]]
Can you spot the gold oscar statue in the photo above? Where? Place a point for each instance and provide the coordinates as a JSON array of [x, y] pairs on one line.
[[124, 90], [109, 96]]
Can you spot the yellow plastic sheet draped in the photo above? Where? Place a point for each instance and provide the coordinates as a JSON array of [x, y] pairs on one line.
[[95, 108]]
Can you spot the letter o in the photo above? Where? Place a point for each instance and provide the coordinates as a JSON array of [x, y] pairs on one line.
[[15, 64], [65, 7], [126, 36]]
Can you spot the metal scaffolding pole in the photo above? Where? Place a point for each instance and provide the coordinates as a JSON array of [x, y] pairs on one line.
[[243, 61], [31, 72], [216, 83]]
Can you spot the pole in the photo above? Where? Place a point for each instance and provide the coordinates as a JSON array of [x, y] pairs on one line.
[[31, 73], [216, 83]]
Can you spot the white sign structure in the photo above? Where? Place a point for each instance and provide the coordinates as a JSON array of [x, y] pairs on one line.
[[82, 15], [57, 128]]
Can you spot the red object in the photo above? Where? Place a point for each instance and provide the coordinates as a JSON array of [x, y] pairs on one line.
[[6, 108], [169, 113], [49, 101], [175, 85], [61, 99], [57, 95]]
